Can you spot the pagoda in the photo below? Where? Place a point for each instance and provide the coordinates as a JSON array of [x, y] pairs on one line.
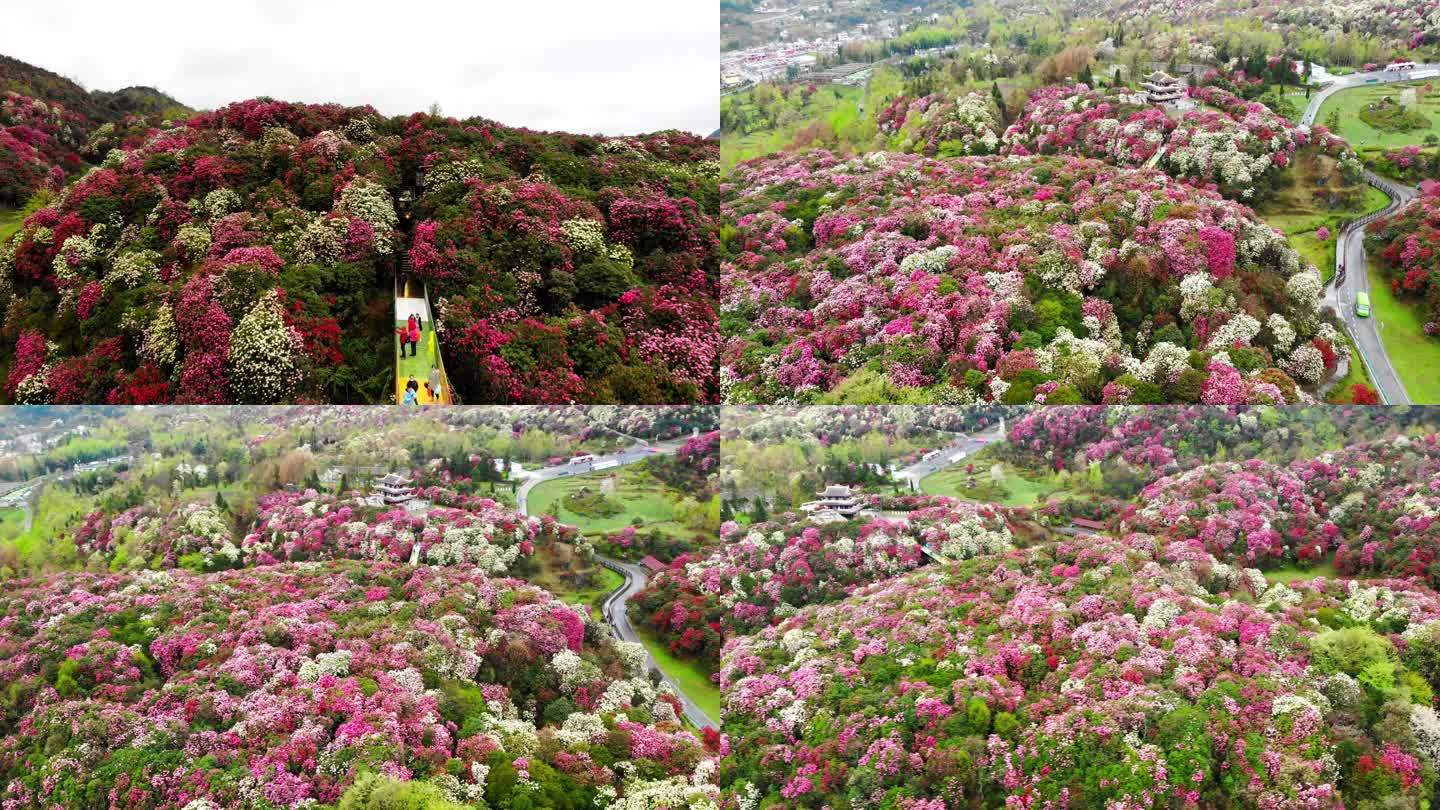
[[394, 489], [1162, 88]]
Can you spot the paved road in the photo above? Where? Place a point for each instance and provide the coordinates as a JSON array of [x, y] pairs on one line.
[[1340, 294], [1360, 80], [615, 612], [615, 607], [1350, 251], [967, 444]]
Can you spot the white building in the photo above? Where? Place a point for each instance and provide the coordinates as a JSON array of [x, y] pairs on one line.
[[1162, 88], [837, 502], [394, 489]]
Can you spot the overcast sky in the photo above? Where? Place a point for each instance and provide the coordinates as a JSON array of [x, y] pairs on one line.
[[616, 67]]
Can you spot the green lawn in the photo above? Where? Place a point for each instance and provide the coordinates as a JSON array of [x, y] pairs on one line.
[[1291, 573], [9, 222], [591, 597], [1350, 102], [47, 542], [692, 676], [1414, 354], [836, 105], [641, 494], [1013, 490]]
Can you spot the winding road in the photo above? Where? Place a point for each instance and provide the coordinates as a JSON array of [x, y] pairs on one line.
[[615, 606], [1350, 249]]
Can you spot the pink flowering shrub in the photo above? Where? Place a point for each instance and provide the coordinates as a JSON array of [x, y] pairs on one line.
[[1074, 119]]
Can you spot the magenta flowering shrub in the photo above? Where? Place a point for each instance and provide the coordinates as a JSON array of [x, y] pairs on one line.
[[1086, 674], [1252, 512], [1373, 508], [278, 686], [567, 268], [1042, 279]]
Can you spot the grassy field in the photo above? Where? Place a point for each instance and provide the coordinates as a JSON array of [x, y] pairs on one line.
[[639, 492], [1414, 354], [57, 509], [9, 222], [1012, 490], [1349, 103], [418, 366], [12, 523], [836, 105], [1294, 212], [556, 561], [693, 677], [1291, 573]]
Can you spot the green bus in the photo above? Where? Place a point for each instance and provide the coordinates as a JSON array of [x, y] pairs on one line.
[[1362, 304]]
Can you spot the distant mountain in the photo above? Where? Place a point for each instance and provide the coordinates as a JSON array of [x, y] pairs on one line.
[[99, 105]]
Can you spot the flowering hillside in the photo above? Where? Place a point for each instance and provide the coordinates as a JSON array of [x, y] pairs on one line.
[[38, 146], [1074, 119], [1406, 23], [569, 268], [1168, 438], [939, 124], [249, 255], [1238, 147], [287, 686], [1408, 254], [1045, 279], [761, 573], [1089, 674], [296, 526], [1372, 508]]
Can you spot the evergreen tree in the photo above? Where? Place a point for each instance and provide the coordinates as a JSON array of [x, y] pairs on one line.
[[220, 502]]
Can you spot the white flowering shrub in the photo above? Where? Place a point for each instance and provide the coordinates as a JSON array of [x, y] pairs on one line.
[[220, 202], [265, 355], [584, 236], [369, 201]]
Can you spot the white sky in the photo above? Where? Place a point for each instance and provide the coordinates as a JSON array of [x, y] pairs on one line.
[[616, 67]]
